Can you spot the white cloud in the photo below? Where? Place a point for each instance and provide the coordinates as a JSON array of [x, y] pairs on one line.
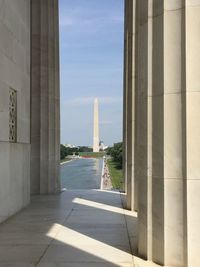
[[86, 16], [71, 21]]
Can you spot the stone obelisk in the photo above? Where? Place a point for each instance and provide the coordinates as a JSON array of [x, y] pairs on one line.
[[96, 126]]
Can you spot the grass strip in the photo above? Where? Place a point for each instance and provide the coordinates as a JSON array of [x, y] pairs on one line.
[[92, 154], [116, 174]]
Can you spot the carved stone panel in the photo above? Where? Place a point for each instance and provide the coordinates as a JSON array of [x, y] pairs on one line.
[[13, 116]]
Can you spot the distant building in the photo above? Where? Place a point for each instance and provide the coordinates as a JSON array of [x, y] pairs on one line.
[[69, 145], [102, 146]]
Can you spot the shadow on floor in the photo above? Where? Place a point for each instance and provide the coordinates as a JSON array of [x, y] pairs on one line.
[[76, 228]]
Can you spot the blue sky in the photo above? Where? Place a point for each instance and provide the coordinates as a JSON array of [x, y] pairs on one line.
[[91, 57]]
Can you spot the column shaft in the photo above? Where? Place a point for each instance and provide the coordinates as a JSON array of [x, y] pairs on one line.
[[128, 87], [129, 95], [168, 144], [143, 165], [45, 106], [125, 98], [192, 117]]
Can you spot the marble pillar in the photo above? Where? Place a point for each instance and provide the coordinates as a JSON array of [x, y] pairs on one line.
[[165, 145], [168, 133], [124, 186], [143, 164], [192, 117], [45, 106], [129, 99]]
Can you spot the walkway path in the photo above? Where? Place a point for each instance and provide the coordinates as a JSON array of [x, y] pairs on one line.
[[77, 228], [106, 183]]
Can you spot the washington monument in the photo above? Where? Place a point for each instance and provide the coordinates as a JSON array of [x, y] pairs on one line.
[[96, 126]]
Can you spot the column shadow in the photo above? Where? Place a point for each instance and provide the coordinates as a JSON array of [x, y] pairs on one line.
[[71, 229]]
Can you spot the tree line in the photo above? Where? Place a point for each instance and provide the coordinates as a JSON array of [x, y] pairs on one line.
[[67, 151], [116, 152]]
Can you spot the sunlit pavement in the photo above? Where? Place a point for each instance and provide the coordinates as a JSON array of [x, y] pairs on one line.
[[77, 228]]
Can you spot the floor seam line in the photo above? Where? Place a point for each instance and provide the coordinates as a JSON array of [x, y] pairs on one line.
[[53, 238], [130, 245]]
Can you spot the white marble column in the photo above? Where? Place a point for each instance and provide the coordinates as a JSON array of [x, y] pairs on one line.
[[45, 106], [144, 128], [125, 98], [168, 127], [129, 99], [165, 147], [192, 116]]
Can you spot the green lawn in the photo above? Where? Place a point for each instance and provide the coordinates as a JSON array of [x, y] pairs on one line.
[[92, 154], [116, 174]]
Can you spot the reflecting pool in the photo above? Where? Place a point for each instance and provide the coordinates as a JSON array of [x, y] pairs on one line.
[[81, 174]]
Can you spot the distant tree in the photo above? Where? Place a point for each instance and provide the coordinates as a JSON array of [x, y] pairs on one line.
[[116, 152], [108, 150], [63, 152], [66, 151], [84, 149]]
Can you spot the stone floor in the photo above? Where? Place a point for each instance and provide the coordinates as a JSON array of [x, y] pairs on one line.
[[78, 228]]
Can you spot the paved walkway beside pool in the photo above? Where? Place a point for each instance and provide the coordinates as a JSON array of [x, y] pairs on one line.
[[82, 228]]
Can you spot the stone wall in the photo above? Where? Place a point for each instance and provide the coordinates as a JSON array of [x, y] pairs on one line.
[[15, 76]]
